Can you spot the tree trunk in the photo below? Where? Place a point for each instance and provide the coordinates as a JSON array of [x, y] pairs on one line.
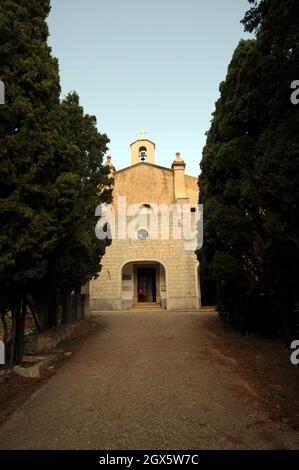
[[18, 328], [21, 331], [34, 315], [53, 307], [14, 314]]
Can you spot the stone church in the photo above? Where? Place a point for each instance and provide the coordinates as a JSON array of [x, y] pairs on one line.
[[142, 271]]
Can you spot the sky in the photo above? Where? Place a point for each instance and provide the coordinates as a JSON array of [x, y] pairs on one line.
[[147, 64]]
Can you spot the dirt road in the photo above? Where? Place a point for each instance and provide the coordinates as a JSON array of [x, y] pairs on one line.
[[146, 381]]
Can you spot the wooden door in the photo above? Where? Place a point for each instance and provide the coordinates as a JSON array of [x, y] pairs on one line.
[[146, 285], [142, 285]]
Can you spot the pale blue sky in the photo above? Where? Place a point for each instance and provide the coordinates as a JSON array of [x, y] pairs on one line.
[[154, 64]]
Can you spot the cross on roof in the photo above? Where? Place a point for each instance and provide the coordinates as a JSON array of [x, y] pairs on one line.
[[142, 133]]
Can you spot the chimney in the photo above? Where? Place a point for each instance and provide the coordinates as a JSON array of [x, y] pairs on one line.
[[178, 167]]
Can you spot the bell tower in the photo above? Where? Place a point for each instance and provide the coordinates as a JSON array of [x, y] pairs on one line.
[[142, 150]]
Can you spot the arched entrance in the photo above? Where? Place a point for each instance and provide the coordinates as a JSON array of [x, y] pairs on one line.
[[143, 283]]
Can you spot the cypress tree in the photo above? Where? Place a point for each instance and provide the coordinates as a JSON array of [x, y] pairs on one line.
[[74, 257], [31, 79], [276, 25], [250, 176], [50, 170]]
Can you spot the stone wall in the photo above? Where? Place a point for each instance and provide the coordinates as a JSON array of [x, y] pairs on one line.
[[50, 339], [181, 269]]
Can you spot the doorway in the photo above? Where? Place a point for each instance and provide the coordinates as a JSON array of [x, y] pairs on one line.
[[146, 284]]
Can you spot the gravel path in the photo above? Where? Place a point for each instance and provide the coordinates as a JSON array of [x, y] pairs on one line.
[[145, 382]]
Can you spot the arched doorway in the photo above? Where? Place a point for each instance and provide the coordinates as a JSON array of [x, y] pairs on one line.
[[143, 283]]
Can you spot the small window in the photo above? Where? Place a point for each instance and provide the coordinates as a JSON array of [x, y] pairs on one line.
[[142, 234], [193, 209]]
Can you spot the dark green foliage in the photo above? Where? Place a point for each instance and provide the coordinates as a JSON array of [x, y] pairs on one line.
[[250, 176], [31, 80], [50, 170], [32, 89], [74, 258]]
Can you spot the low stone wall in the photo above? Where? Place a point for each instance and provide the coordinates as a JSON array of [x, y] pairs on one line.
[[50, 339]]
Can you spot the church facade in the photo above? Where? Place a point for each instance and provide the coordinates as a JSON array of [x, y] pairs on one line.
[[150, 264]]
